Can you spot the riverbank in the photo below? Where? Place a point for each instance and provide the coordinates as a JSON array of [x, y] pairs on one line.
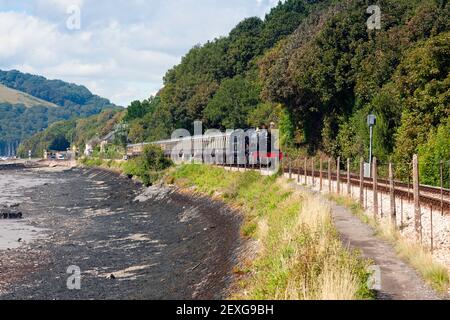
[[292, 250], [130, 242], [297, 253]]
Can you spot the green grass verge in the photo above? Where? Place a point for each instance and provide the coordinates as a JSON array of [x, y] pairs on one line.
[[300, 255]]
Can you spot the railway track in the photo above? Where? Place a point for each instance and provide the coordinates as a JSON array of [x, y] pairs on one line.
[[429, 196]]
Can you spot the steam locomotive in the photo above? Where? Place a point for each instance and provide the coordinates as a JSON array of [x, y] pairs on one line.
[[251, 147]]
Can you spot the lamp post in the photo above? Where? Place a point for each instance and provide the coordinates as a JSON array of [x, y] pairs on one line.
[[371, 122]]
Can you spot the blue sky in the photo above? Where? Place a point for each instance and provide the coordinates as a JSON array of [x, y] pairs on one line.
[[123, 47]]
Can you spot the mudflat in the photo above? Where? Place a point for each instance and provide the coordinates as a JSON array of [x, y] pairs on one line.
[[128, 241]]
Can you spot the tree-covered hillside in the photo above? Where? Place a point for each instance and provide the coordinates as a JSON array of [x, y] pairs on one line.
[[76, 132], [68, 101], [332, 72], [316, 70]]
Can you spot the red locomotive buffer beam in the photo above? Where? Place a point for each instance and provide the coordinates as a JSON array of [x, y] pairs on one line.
[[267, 155]]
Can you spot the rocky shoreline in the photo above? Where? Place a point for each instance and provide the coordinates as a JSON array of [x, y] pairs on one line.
[[129, 242]]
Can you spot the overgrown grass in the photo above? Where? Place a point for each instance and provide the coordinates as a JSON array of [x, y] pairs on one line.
[[300, 255], [415, 254], [92, 162], [149, 167], [114, 165]]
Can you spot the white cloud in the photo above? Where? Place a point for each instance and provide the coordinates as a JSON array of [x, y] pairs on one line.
[[123, 48]]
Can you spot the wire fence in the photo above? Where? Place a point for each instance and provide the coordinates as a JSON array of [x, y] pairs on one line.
[[377, 188]]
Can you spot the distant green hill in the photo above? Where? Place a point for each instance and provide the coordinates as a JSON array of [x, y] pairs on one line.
[[76, 132], [11, 96], [30, 103]]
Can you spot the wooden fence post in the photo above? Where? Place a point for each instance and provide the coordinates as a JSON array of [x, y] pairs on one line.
[[321, 173], [381, 205], [361, 182], [298, 172], [441, 169], [431, 229], [409, 187], [392, 196], [349, 186], [338, 173], [306, 173], [290, 169], [417, 213], [401, 212], [313, 172], [330, 187], [375, 188]]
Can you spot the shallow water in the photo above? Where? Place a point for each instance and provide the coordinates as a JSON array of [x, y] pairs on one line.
[[12, 187], [158, 243]]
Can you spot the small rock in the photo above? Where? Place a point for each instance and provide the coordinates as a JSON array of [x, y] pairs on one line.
[[19, 240], [11, 215], [112, 277]]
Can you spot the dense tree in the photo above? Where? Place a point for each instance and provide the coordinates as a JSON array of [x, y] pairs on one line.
[[435, 150], [422, 81], [315, 70], [331, 72], [232, 103], [138, 109], [190, 86]]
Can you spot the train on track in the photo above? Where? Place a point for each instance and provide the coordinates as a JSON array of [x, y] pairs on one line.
[[250, 147]]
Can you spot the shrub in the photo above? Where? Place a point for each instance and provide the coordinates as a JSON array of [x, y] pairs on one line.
[[148, 165], [436, 149]]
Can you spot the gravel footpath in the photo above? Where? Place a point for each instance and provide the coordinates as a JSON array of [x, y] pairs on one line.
[[398, 280], [405, 217]]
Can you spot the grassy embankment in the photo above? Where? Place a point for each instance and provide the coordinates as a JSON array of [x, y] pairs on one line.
[[299, 254], [420, 258]]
